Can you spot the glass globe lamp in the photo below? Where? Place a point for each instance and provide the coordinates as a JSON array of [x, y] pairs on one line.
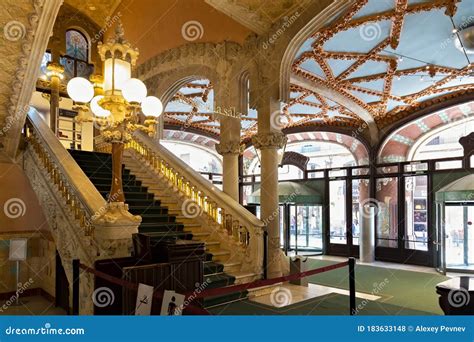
[[152, 106], [80, 90], [134, 90]]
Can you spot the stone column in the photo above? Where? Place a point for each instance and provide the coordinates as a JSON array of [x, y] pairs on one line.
[[230, 152], [229, 147], [269, 143]]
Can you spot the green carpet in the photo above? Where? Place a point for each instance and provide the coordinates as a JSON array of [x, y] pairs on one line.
[[402, 292], [405, 289]]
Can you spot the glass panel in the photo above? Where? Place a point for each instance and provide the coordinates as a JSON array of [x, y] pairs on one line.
[[44, 62], [287, 172], [247, 190], [282, 226], [387, 169], [316, 174], [309, 229], [459, 223], [337, 211], [416, 167], [293, 227], [73, 68], [360, 195], [471, 161], [337, 173], [446, 165], [416, 213], [361, 172], [77, 45], [387, 216]]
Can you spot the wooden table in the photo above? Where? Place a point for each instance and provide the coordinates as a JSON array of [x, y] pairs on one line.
[[457, 296]]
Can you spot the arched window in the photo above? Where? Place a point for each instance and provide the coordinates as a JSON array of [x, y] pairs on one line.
[[77, 45], [76, 60]]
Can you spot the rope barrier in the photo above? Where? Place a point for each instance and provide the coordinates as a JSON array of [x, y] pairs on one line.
[[266, 282], [132, 286], [218, 291]]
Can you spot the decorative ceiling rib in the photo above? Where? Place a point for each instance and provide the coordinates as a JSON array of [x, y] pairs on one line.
[[389, 57], [193, 107]]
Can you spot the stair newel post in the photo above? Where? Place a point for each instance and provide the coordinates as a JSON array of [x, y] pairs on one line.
[[116, 191]]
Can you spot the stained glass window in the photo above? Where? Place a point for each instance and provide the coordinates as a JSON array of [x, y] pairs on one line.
[[44, 62], [77, 45]]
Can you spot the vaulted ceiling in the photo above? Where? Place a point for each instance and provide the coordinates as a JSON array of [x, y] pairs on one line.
[[257, 15], [388, 56], [97, 10]]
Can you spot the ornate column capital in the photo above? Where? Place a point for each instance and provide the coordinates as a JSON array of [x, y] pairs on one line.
[[230, 147], [270, 140]]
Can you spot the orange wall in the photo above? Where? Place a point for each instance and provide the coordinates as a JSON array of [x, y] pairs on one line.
[[154, 26], [15, 185]]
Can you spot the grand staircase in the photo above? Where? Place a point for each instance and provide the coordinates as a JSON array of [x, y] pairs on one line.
[[162, 218]]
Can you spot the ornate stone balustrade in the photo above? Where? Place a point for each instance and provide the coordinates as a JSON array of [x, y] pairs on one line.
[[84, 226], [221, 208]]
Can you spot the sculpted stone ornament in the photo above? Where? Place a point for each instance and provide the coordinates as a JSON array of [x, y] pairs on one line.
[[115, 136], [230, 147], [116, 213], [270, 140], [113, 229]]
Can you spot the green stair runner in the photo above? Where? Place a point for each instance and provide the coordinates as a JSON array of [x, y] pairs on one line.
[[155, 217]]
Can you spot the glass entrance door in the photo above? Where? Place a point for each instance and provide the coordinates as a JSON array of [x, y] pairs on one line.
[[459, 236], [305, 229]]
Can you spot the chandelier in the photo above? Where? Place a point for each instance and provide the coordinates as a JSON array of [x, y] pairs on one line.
[[117, 111]]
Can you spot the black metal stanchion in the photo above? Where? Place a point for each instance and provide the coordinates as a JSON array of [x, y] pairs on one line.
[[75, 286], [265, 254], [352, 287]]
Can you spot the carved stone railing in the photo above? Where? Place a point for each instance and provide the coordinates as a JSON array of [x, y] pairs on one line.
[[227, 213], [78, 192], [84, 226]]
